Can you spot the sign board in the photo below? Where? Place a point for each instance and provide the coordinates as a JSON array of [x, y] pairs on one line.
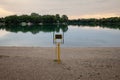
[[58, 36]]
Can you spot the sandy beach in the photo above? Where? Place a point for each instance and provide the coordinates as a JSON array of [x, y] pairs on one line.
[[38, 63]]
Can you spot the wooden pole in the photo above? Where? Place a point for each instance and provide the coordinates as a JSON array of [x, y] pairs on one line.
[[58, 52]]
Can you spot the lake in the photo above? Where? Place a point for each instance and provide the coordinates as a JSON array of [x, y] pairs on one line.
[[74, 36]]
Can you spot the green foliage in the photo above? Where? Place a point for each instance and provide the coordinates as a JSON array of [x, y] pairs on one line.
[[35, 18], [24, 18], [95, 22], [64, 18], [2, 20], [34, 14], [11, 19], [113, 22], [57, 16]]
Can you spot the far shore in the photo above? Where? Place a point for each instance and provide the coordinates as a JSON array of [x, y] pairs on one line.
[[39, 63]]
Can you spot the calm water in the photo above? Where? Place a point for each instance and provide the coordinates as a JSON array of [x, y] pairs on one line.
[[74, 36]]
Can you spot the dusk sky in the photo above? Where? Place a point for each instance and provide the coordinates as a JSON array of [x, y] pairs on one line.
[[73, 8]]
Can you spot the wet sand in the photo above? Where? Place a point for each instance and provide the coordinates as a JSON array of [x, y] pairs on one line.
[[38, 63]]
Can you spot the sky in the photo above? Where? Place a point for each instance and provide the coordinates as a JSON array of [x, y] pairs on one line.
[[74, 9]]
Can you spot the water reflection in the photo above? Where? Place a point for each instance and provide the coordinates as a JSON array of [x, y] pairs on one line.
[[34, 29], [3, 33], [110, 26], [74, 36]]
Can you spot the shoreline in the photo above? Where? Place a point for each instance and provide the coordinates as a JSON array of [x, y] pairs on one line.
[[37, 63], [63, 46]]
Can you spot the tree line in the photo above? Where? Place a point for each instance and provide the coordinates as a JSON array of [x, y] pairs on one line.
[[35, 18], [93, 21]]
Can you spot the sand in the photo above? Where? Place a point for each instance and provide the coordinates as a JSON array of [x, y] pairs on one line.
[[38, 63]]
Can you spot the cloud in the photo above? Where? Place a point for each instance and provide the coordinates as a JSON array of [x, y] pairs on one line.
[[4, 12], [104, 15], [68, 7]]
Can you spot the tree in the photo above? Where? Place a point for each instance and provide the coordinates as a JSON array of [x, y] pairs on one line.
[[34, 15], [64, 18], [49, 19], [13, 19], [25, 18], [57, 16], [2, 20]]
